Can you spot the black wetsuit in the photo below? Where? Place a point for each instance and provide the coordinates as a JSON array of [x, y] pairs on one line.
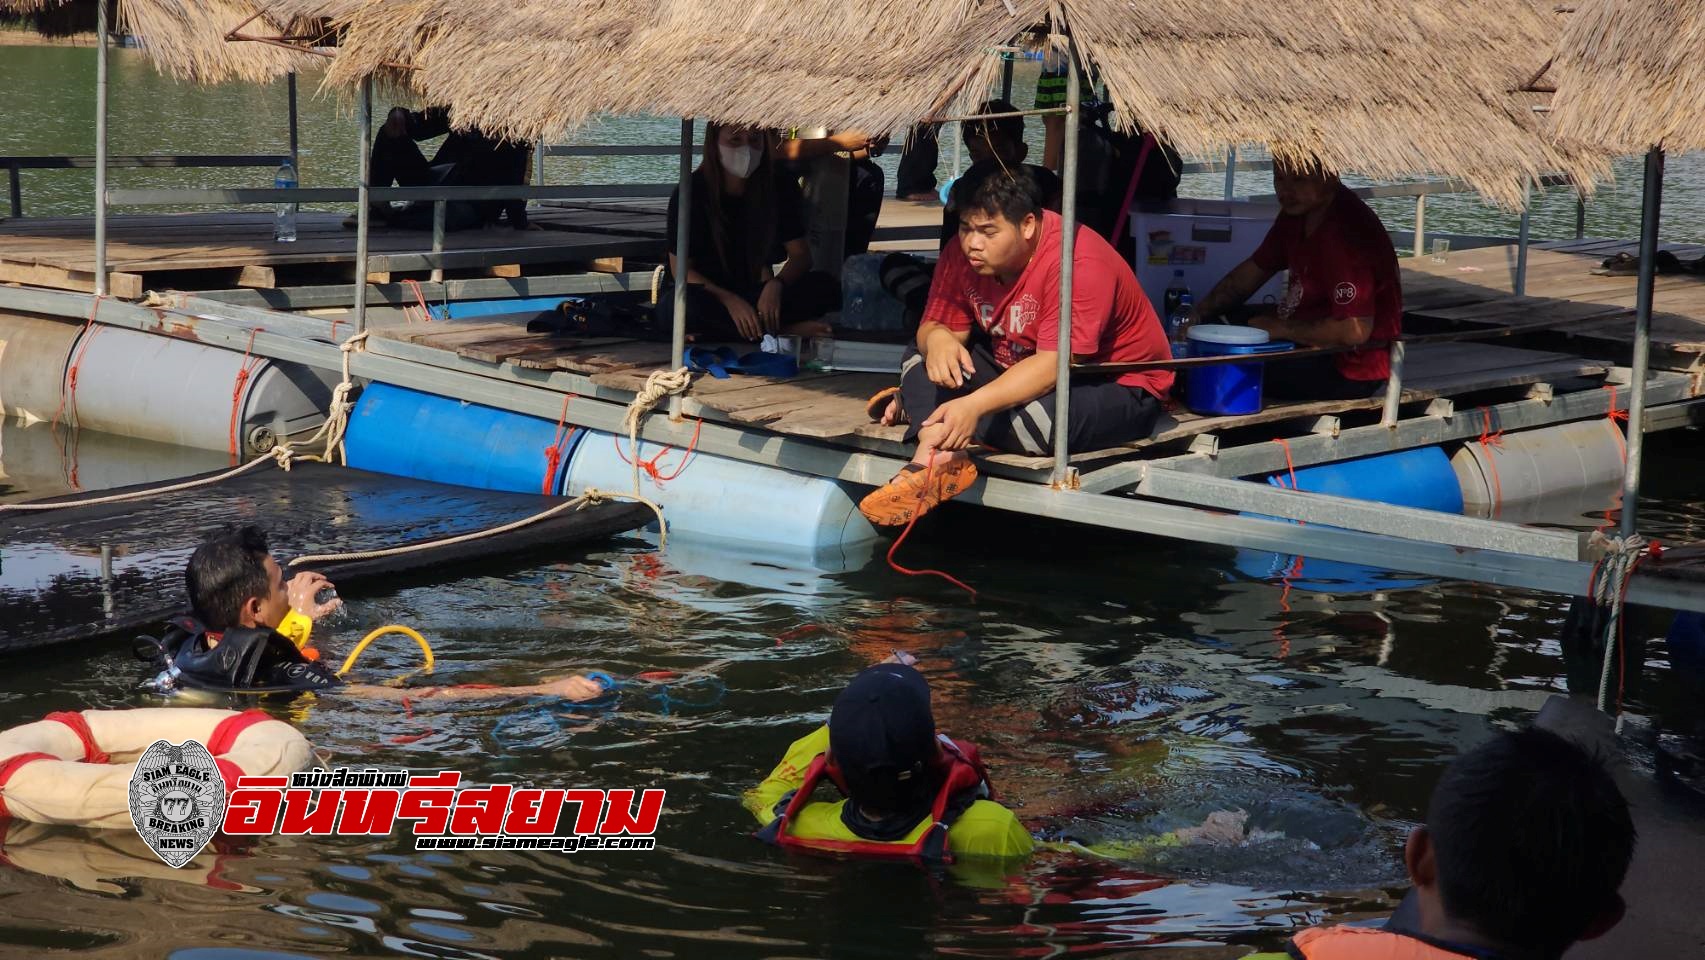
[[246, 659]]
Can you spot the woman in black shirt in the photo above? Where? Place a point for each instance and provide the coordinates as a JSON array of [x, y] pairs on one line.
[[745, 219]]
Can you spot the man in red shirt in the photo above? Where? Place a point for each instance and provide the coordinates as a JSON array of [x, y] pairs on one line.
[[1343, 289], [984, 364]]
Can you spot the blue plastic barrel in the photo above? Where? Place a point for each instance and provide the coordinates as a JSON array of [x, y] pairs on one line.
[[1422, 478], [464, 309], [421, 435], [1232, 388]]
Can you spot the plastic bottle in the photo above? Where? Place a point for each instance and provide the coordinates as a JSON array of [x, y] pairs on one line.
[[1178, 319], [284, 217], [1174, 291]]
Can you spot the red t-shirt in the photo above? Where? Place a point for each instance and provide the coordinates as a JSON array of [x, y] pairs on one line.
[[1112, 321], [1346, 268]]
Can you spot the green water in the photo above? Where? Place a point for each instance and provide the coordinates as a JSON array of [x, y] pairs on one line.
[[1121, 686]]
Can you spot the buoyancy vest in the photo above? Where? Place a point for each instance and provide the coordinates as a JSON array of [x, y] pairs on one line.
[[243, 660], [1370, 943], [965, 782]]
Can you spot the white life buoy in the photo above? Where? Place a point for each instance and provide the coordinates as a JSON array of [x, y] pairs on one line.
[[75, 768]]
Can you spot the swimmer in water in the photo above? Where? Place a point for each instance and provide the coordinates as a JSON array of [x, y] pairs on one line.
[[248, 630]]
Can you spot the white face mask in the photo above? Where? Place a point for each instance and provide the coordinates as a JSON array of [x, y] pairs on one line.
[[740, 161]]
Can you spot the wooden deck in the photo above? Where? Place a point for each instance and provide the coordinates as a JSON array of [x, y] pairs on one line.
[[205, 250]]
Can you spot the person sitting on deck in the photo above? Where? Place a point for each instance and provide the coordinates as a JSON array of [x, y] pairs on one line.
[[1526, 843], [248, 630], [1343, 289], [995, 146], [982, 369], [466, 158], [744, 220], [908, 790]]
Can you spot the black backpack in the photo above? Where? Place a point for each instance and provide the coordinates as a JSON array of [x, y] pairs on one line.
[[1107, 159]]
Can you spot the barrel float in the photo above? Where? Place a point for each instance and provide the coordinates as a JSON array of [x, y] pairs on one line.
[[37, 461], [1539, 464], [729, 500], [178, 391], [408, 433], [33, 354]]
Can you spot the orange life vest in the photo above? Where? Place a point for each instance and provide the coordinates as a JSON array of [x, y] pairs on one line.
[[965, 775], [1366, 943]]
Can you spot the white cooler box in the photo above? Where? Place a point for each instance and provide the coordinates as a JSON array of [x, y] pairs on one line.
[[1203, 238]]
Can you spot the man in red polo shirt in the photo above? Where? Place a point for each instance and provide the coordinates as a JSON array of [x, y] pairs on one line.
[[1343, 289], [983, 368]]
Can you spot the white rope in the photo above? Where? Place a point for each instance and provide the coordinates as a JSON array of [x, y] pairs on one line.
[[658, 385], [331, 432], [657, 287], [1609, 588]]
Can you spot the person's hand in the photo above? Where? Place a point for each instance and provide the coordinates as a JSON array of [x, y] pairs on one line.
[[302, 590], [573, 688], [902, 658], [745, 318], [947, 360], [769, 305], [958, 418], [850, 139]]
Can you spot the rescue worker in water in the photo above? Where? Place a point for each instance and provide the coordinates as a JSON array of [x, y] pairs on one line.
[[249, 630], [904, 784]]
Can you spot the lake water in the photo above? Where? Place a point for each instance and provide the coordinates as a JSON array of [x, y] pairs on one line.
[[1122, 686]]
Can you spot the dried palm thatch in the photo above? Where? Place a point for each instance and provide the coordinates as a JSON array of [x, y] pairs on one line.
[[1629, 75], [184, 38], [1388, 88]]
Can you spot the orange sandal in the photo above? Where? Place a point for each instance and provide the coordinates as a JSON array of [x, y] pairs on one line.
[[916, 490], [876, 408]]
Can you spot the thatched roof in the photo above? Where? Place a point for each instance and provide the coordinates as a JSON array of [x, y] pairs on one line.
[[184, 38], [1629, 74], [1387, 88]]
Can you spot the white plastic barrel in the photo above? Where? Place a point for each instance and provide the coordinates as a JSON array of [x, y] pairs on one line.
[[177, 391], [1539, 463], [728, 500], [33, 352]]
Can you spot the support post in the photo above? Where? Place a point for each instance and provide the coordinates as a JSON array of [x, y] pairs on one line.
[[683, 233], [1520, 285], [539, 162], [295, 152], [16, 189], [101, 149], [1420, 224], [1068, 238], [438, 213], [1580, 216], [1393, 385], [1230, 172], [1006, 77], [364, 184], [1651, 203]]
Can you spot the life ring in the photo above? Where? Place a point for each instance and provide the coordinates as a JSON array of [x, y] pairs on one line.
[[75, 767]]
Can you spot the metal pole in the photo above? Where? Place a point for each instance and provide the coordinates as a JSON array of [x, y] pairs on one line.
[[1068, 240], [1230, 172], [364, 132], [101, 149], [1006, 77], [16, 190], [683, 232], [438, 211], [295, 158], [1651, 203], [1420, 223], [539, 162], [1520, 285], [1580, 216], [1393, 386]]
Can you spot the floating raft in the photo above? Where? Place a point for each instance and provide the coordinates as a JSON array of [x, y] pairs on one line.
[[88, 571]]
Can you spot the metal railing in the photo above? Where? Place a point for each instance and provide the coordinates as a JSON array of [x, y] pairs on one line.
[[15, 165]]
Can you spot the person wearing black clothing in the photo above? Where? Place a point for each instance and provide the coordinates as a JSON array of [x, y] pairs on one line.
[[466, 158], [995, 146], [745, 219], [915, 180]]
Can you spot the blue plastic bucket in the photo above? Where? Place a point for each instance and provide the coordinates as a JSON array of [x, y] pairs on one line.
[[421, 435], [1231, 388]]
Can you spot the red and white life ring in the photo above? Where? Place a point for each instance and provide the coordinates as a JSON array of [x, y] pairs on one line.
[[75, 767]]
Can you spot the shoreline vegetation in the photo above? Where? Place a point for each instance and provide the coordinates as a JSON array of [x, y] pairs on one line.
[[15, 36]]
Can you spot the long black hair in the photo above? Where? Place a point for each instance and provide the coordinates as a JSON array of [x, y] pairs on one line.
[[744, 246]]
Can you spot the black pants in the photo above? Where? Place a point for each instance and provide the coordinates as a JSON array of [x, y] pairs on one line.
[[807, 298], [918, 160], [397, 161], [1314, 378], [864, 205], [1103, 413]]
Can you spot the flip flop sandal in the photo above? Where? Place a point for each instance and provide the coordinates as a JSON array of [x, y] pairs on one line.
[[1623, 264], [917, 490], [877, 405]]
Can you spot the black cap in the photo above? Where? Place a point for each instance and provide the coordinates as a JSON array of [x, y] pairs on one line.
[[882, 737]]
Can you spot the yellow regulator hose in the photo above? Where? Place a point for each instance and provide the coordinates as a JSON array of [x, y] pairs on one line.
[[425, 647]]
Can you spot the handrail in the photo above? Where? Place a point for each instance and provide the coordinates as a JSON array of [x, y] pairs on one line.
[[15, 163], [168, 197]]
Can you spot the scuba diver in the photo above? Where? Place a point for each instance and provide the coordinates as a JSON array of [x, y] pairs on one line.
[[904, 784], [248, 631]]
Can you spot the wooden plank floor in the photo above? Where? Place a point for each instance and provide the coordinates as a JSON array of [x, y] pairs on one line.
[[226, 247], [831, 406]]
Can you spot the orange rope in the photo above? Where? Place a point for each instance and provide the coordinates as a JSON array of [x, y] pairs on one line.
[[1489, 439], [1615, 415], [650, 466], [420, 298], [895, 547], [1290, 466], [68, 447], [559, 446], [245, 369]]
